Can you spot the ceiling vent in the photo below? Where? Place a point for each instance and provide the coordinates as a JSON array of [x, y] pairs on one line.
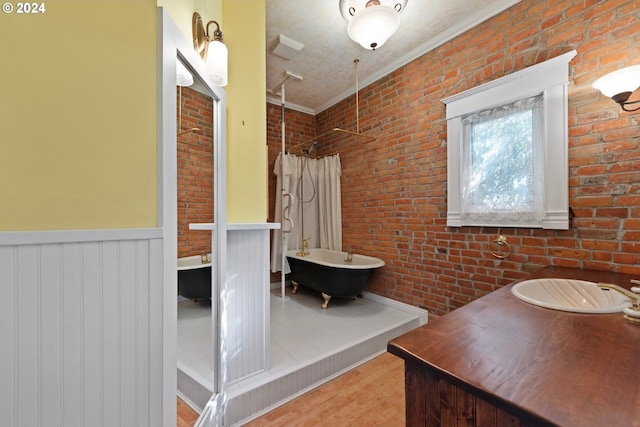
[[286, 47]]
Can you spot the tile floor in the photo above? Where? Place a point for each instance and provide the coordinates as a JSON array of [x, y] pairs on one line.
[[194, 340], [301, 333]]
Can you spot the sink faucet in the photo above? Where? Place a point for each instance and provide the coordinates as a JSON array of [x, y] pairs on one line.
[[632, 313], [633, 297]]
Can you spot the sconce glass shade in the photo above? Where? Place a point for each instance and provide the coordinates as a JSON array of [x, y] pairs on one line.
[[216, 63], [211, 49], [183, 76], [372, 26], [620, 81]]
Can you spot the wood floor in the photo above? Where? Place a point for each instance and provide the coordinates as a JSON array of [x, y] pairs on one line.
[[187, 417], [371, 395]]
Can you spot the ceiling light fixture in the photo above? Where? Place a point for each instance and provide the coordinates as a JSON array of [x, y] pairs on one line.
[[211, 49], [619, 85], [372, 22]]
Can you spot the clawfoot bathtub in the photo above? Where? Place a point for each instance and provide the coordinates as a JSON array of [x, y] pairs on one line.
[[194, 277], [333, 273]]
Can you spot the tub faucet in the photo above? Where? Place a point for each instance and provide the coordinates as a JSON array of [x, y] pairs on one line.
[[305, 248], [349, 255]]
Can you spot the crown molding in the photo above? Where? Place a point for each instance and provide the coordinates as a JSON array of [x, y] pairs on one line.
[[292, 106], [463, 26]]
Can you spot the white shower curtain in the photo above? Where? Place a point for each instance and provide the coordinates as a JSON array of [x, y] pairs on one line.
[[330, 203], [315, 207]]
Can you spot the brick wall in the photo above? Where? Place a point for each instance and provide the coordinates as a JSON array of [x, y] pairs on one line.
[[195, 172], [394, 189]]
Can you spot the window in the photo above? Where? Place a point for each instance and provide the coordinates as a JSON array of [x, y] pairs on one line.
[[507, 150]]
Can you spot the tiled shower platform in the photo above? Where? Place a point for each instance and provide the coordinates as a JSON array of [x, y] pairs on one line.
[[308, 346]]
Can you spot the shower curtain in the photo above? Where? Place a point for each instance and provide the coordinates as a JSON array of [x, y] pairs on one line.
[[315, 207]]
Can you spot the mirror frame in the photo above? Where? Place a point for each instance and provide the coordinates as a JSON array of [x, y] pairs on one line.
[[174, 46]]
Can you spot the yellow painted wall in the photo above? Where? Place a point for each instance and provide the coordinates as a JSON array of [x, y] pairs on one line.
[[181, 12], [244, 35], [78, 116], [243, 26]]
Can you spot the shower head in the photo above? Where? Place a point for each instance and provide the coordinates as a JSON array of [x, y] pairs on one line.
[[312, 147], [288, 76]]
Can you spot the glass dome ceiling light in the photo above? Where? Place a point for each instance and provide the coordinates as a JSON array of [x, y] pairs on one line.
[[372, 22]]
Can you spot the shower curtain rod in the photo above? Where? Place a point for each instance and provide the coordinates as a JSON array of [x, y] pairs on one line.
[[350, 132], [303, 154]]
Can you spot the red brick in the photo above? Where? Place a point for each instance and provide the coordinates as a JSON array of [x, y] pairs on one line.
[[195, 172], [394, 189]]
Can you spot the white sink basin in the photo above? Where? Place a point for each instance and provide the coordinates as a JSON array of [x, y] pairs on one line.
[[577, 296]]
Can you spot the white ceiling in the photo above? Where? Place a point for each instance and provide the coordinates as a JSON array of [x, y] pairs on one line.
[[326, 62]]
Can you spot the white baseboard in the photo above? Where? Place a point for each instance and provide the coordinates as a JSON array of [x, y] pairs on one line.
[[423, 315]]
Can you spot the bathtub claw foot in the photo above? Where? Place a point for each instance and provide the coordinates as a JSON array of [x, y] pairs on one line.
[[326, 300], [295, 285]]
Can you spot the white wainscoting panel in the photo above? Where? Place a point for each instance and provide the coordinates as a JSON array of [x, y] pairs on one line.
[[81, 338], [247, 293]]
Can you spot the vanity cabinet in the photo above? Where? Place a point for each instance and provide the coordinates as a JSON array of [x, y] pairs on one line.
[[432, 401], [499, 361]]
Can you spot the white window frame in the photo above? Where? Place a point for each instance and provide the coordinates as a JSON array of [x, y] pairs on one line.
[[549, 78]]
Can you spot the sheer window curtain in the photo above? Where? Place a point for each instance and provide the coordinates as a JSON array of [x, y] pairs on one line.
[[499, 179]]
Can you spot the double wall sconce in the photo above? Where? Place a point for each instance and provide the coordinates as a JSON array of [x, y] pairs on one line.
[[619, 85], [372, 22], [211, 49]]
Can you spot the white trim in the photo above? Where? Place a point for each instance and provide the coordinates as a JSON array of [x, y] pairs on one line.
[[423, 315], [549, 78], [255, 226], [173, 46], [236, 226], [291, 106], [167, 209], [207, 414], [509, 88], [10, 238]]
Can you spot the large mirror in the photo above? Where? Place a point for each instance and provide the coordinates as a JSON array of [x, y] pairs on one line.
[[193, 197], [197, 316]]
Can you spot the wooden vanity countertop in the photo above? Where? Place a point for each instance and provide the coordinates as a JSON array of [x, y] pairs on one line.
[[567, 369]]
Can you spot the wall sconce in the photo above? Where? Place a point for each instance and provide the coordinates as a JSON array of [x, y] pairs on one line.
[[211, 49], [183, 76], [619, 85], [371, 22]]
